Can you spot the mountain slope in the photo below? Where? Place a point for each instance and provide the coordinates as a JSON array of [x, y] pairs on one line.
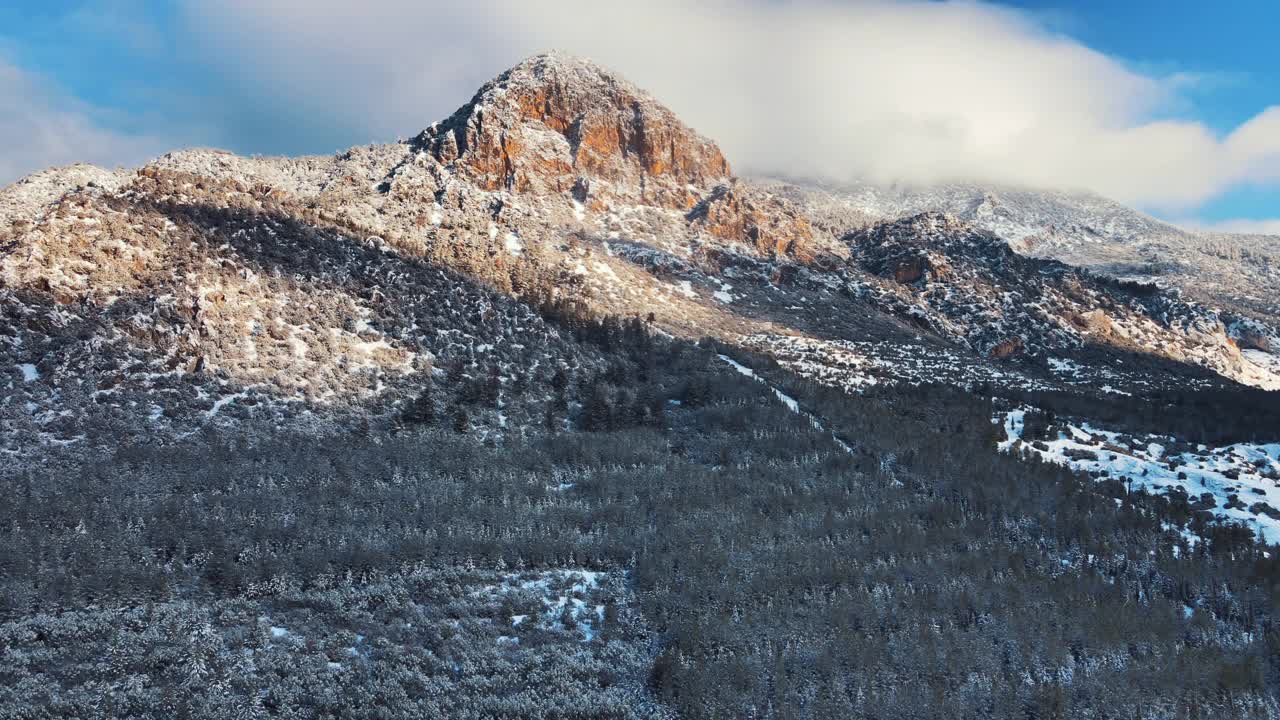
[[1240, 273]]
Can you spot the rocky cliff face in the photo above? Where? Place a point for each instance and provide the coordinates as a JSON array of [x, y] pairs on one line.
[[969, 284], [555, 124]]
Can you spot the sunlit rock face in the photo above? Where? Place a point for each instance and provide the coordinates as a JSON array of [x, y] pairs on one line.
[[556, 124]]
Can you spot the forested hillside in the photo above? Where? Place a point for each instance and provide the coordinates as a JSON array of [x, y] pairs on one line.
[[747, 564]]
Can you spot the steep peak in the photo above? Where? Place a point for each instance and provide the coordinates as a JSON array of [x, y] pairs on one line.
[[556, 123]]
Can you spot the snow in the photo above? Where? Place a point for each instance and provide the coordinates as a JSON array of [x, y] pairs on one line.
[[1265, 369], [278, 632], [29, 372], [513, 244], [222, 402], [1146, 466], [686, 289], [563, 594], [787, 400], [1064, 367], [604, 270]]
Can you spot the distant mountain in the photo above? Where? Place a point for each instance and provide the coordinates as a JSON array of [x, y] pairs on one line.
[[1238, 272]]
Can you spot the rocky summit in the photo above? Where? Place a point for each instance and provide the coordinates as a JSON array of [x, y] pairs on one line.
[[555, 124]]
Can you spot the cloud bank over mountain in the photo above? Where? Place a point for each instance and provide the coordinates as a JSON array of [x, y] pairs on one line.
[[909, 92], [893, 92]]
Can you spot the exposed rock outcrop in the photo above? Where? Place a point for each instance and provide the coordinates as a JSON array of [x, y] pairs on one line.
[[553, 123], [771, 225], [942, 273]]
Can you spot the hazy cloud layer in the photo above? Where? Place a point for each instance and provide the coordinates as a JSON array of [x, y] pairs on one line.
[[909, 91], [1246, 227], [40, 127]]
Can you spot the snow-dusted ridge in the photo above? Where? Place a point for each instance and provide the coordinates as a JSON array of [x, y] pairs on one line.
[[1077, 227]]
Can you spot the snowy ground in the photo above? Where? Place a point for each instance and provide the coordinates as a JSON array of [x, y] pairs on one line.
[[555, 605], [1237, 483], [853, 365], [1263, 369], [572, 601]]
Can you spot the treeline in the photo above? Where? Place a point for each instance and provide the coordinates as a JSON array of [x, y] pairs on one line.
[[1218, 416]]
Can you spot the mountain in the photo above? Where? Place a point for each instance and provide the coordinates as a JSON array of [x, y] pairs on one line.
[[207, 285], [545, 413], [455, 277], [1240, 273]]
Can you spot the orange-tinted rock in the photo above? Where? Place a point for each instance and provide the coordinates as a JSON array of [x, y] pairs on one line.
[[556, 125], [770, 224], [910, 270], [1247, 340], [1097, 322], [551, 122], [1007, 349]]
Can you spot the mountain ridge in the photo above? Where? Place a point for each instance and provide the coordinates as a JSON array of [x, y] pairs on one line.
[[1239, 272], [558, 182]]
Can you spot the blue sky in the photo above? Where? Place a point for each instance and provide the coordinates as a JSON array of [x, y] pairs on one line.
[[117, 81], [1234, 42]]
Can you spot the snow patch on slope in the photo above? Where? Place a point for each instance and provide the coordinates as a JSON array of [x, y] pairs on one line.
[[1238, 482], [29, 372], [792, 404]]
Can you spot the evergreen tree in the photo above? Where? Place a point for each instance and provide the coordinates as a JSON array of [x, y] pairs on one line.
[[422, 410]]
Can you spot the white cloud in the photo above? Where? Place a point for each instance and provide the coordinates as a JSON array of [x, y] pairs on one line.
[[40, 127], [891, 91]]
